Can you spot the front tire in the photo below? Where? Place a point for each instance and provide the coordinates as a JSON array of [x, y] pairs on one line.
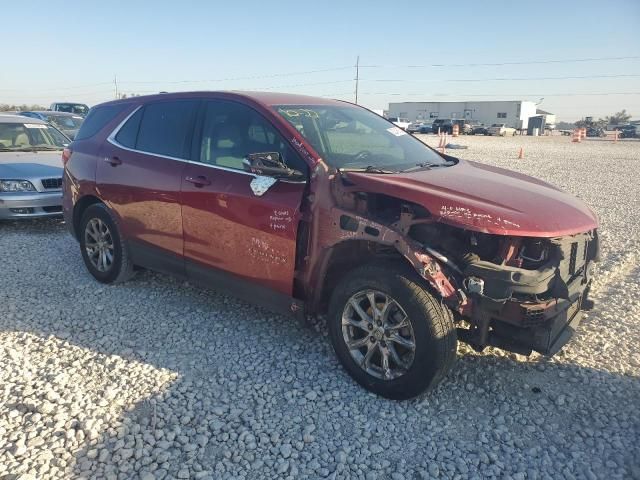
[[103, 248], [389, 333]]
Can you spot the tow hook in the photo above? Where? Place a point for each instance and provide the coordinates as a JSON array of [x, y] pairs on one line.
[[478, 335]]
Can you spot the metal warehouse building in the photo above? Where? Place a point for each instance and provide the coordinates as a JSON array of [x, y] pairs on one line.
[[513, 113]]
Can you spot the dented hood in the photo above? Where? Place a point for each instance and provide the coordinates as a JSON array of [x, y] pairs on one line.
[[486, 199]]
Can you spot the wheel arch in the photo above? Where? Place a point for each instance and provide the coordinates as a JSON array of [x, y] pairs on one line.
[[345, 256], [79, 208]]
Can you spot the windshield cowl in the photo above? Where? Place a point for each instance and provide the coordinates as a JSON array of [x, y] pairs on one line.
[[368, 169], [429, 166]]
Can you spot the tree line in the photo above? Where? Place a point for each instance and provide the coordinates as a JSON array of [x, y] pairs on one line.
[[5, 107]]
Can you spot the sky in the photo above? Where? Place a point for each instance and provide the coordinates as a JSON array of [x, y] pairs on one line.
[[409, 51]]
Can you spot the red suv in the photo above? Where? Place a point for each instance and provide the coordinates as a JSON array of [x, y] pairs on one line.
[[311, 206]]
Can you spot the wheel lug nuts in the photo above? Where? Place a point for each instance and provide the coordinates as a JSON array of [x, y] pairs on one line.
[[370, 326], [372, 339]]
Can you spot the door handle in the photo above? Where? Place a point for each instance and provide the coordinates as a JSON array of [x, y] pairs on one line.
[[113, 161], [199, 181]]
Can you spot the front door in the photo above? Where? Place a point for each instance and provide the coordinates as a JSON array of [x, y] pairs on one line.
[[240, 230], [140, 172]]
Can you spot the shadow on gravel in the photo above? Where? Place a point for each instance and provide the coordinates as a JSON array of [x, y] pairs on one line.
[[258, 394]]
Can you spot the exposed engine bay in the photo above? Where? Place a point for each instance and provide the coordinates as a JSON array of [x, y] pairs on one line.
[[517, 293]]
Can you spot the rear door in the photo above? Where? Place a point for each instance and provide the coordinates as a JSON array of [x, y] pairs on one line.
[[139, 175], [235, 232]]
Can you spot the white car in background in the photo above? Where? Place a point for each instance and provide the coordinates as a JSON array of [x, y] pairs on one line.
[[30, 168], [400, 122], [500, 129]]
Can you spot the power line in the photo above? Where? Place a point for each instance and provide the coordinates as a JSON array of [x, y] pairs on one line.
[[88, 85], [505, 79], [357, 79], [498, 64], [252, 77], [333, 69], [106, 93], [345, 67], [267, 88], [305, 84], [501, 94]]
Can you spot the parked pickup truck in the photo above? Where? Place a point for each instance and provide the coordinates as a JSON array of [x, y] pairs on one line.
[[500, 129], [316, 207]]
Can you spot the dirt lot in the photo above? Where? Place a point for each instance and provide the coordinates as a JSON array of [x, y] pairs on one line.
[[159, 379]]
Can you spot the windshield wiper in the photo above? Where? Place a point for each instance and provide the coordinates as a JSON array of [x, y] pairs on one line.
[[368, 169], [427, 166], [35, 148]]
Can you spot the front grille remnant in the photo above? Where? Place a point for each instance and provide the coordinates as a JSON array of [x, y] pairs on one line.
[[533, 317], [572, 258], [51, 183]]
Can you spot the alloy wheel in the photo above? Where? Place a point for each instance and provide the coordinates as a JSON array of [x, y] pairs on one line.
[[378, 334], [98, 243]]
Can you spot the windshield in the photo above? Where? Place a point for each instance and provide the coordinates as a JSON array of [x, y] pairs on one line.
[[66, 122], [350, 137], [30, 136], [78, 108]]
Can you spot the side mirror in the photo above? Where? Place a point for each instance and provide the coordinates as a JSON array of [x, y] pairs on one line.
[[270, 164]]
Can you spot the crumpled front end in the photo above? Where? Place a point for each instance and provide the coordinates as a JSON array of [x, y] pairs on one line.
[[534, 298], [518, 289]]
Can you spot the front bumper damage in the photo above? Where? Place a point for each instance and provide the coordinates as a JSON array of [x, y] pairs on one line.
[[528, 302], [532, 310]]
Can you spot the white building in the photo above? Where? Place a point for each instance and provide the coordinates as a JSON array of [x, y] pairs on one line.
[[549, 118], [514, 113]]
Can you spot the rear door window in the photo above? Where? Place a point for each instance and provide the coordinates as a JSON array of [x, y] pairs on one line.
[[165, 128]]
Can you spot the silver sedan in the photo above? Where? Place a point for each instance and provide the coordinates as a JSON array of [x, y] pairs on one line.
[[30, 168]]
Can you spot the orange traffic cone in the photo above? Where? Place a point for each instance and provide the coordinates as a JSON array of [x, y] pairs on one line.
[[521, 153], [577, 136]]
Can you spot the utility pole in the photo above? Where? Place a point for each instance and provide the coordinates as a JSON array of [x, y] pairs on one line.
[[115, 84], [357, 76]]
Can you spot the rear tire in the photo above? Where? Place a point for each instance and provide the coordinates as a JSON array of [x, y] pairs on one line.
[[103, 247], [429, 327]]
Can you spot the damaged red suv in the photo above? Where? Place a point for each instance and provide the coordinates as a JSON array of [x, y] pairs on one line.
[[316, 207]]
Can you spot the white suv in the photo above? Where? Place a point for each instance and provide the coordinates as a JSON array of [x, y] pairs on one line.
[[501, 129], [403, 123]]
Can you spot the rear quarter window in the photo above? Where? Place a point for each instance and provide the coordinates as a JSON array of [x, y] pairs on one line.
[[128, 134], [98, 117]]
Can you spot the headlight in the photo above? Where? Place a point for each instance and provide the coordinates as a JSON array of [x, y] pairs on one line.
[[16, 186]]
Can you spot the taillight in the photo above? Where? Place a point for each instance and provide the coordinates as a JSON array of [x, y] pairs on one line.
[[66, 155]]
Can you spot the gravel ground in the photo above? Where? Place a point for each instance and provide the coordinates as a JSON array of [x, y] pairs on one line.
[[158, 379]]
